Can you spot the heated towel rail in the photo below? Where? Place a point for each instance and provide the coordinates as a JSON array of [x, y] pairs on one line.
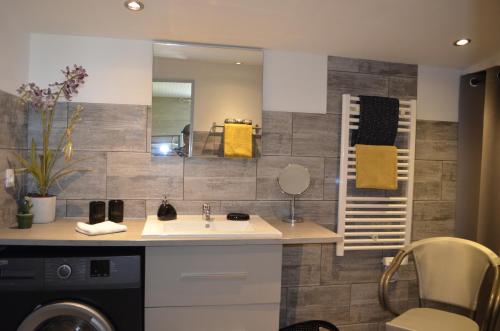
[[375, 219]]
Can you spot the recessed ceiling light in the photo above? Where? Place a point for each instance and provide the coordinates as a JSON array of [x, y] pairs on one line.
[[238, 63], [462, 42], [134, 5]]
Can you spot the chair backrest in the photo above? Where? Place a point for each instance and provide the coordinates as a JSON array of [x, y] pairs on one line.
[[451, 270]]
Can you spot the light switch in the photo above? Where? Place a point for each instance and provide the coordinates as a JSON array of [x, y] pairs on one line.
[[10, 178]]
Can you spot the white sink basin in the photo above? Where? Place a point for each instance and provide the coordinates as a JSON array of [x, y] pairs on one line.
[[193, 226]]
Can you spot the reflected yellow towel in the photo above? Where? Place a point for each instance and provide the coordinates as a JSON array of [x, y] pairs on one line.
[[238, 140], [376, 167]]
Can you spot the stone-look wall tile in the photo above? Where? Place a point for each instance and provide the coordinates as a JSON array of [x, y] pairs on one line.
[[449, 181], [184, 207], [437, 130], [80, 208], [388, 68], [334, 315], [205, 144], [90, 184], [270, 167], [111, 127], [330, 295], [353, 267], [308, 302], [436, 150], [433, 211], [321, 212], [307, 254], [13, 122], [149, 128], [402, 87], [436, 140], [139, 176], [220, 179], [60, 208], [332, 166], [337, 63], [283, 306], [365, 306], [427, 181], [59, 126], [301, 265], [357, 84], [334, 102], [360, 327], [271, 210], [432, 219], [276, 133], [8, 196], [316, 135]]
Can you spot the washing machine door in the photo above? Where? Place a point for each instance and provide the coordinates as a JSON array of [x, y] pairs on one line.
[[66, 316]]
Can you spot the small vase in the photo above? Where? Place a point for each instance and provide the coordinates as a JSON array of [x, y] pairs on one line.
[[44, 209], [24, 221]]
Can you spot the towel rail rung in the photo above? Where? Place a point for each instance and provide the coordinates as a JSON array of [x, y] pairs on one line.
[[376, 199], [374, 233], [371, 248], [375, 206], [401, 178], [375, 227], [376, 220], [372, 241], [375, 212], [355, 127]]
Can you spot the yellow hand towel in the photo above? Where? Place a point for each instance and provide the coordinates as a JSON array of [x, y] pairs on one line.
[[377, 167], [238, 140]]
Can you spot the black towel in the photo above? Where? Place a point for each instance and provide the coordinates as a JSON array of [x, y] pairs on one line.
[[378, 121]]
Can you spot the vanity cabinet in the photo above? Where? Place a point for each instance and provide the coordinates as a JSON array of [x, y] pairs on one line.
[[213, 288]]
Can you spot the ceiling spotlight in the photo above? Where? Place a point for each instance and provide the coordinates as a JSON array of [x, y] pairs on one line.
[[134, 5], [238, 63], [462, 42]]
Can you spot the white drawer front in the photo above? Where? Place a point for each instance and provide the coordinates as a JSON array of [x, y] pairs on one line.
[[214, 318], [212, 275]]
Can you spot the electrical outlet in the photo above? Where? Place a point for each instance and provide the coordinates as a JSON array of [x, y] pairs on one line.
[[10, 178]]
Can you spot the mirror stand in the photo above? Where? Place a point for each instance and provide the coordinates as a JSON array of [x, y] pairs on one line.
[[292, 219]]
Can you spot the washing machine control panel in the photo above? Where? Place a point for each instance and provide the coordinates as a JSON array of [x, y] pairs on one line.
[[63, 271], [92, 272]]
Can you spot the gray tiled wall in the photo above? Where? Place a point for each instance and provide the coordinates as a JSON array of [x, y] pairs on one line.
[[13, 134], [316, 283]]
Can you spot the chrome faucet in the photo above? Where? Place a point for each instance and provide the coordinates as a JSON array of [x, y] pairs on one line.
[[206, 212]]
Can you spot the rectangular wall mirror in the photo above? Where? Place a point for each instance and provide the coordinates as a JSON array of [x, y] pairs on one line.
[[207, 101]]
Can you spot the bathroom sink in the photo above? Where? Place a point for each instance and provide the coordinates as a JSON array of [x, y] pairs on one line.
[[193, 226]]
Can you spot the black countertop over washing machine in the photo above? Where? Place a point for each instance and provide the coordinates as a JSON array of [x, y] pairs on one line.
[[71, 288]]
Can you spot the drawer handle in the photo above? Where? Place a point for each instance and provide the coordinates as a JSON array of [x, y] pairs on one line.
[[215, 275]]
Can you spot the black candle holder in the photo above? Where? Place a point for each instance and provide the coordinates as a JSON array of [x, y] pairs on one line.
[[115, 211], [97, 212]]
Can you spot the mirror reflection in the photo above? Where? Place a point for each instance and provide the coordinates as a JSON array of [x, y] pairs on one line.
[[207, 101]]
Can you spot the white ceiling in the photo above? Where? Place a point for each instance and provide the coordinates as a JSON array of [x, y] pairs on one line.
[[411, 31]]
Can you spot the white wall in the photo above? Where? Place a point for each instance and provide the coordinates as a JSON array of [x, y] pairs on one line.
[[14, 52], [220, 90], [295, 82], [120, 71], [438, 91]]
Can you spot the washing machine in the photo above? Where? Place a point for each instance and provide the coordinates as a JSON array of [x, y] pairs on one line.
[[71, 288]]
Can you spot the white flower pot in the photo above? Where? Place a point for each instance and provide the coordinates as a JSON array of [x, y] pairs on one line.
[[44, 209]]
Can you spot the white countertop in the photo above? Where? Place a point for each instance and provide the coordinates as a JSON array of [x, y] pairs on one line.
[[62, 233]]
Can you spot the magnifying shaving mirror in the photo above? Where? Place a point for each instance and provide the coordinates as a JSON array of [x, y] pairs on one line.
[[294, 180]]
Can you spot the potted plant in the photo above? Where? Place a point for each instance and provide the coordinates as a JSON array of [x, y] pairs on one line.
[[24, 215], [40, 163]]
